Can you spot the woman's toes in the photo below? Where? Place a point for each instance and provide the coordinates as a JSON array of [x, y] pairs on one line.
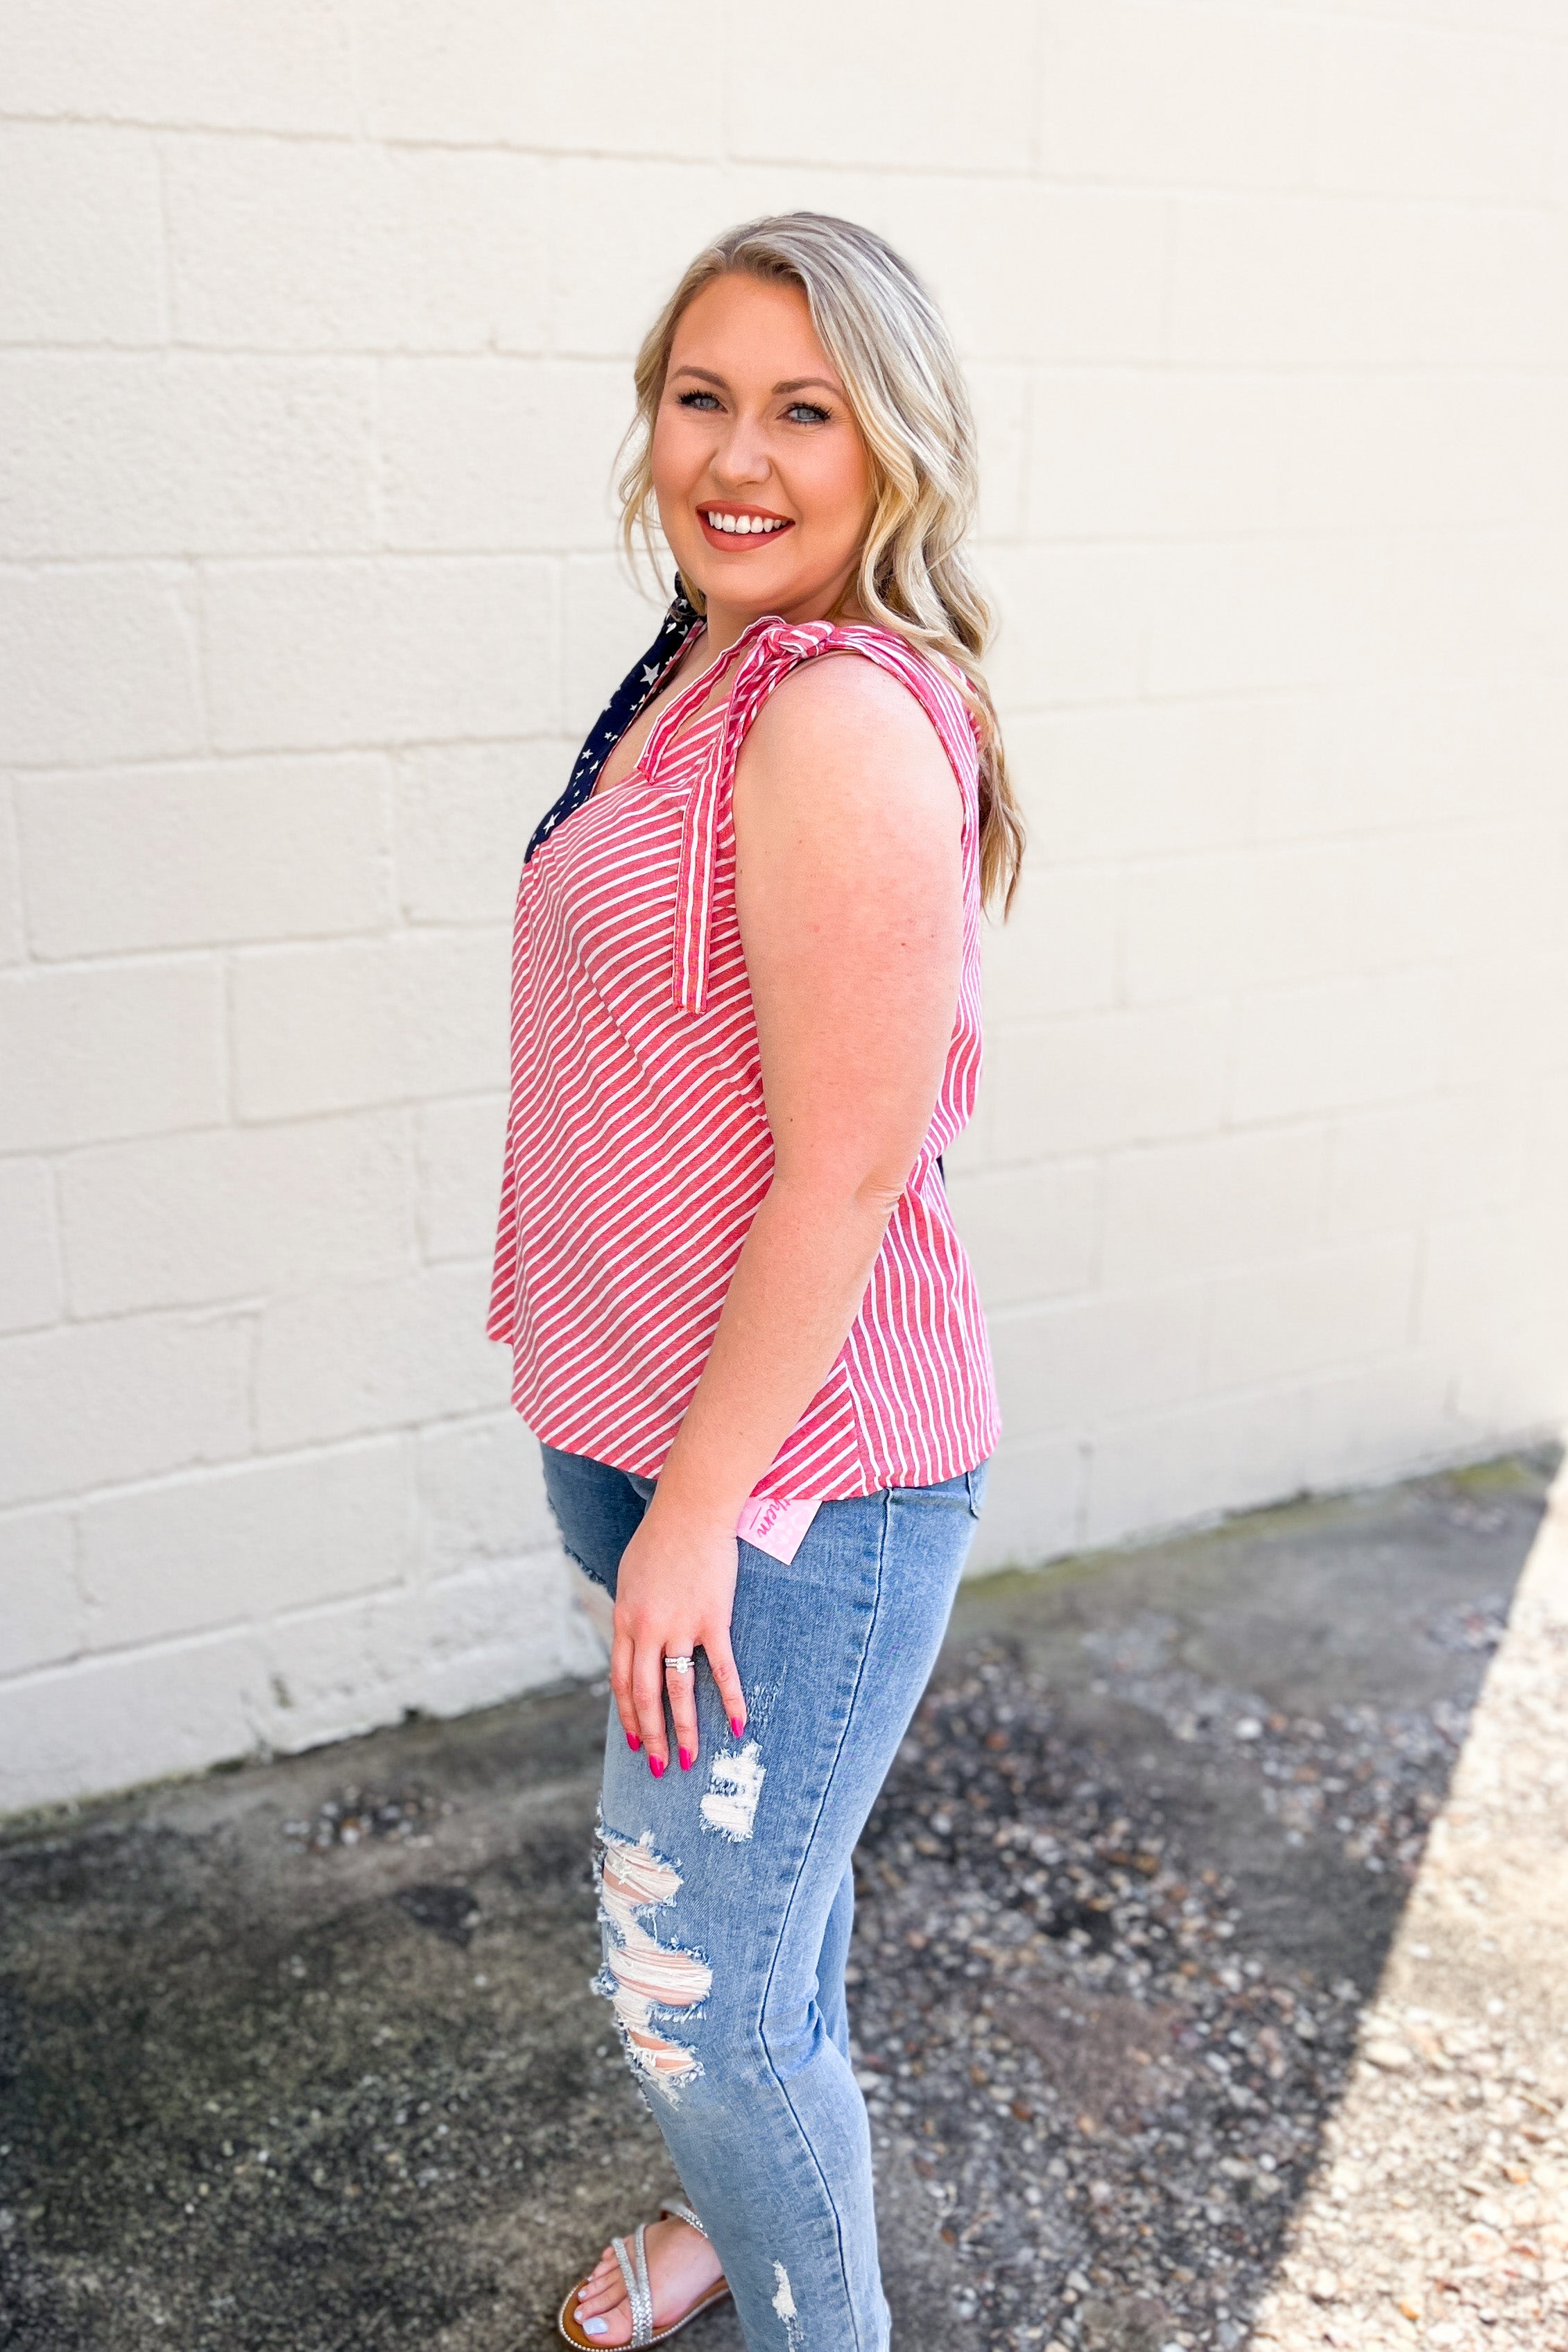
[[681, 2264], [602, 2297], [605, 2320]]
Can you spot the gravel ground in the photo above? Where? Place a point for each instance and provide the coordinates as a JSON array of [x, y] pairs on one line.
[[1123, 2098], [1179, 2023], [1057, 1999]]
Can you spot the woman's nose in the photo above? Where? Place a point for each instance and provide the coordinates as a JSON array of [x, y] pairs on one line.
[[741, 457]]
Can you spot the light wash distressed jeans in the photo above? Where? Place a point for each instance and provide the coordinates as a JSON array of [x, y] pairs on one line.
[[727, 1894]]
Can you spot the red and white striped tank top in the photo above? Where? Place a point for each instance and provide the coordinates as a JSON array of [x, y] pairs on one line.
[[638, 1149]]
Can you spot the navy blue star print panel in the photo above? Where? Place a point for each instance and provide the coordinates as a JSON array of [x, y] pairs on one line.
[[635, 691]]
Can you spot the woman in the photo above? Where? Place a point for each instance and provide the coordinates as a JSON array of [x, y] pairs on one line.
[[746, 1024]]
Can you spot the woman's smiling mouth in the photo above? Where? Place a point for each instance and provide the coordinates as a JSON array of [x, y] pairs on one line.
[[727, 525]]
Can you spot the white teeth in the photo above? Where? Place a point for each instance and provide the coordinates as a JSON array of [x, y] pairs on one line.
[[741, 525]]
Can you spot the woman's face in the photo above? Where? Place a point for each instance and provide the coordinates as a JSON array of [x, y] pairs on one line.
[[762, 477]]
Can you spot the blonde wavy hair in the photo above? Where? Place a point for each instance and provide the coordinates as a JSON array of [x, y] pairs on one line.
[[896, 359]]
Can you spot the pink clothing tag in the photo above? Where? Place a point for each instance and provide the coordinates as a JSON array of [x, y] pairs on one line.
[[776, 1527]]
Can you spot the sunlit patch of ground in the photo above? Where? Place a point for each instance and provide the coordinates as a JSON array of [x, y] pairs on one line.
[[1439, 2213]]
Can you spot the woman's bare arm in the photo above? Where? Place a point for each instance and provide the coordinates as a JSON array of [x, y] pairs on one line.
[[849, 891]]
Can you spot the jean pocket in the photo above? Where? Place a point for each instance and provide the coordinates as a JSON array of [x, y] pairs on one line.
[[975, 1486]]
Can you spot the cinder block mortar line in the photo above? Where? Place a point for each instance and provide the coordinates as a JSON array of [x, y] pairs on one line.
[[118, 1652], [112, 347], [358, 749], [1065, 1304], [165, 244], [1251, 370], [387, 933], [1102, 1160], [1328, 1133], [1170, 254], [204, 1474], [250, 1322], [231, 1046], [1046, 1026], [415, 1260], [556, 622], [246, 1305], [11, 860], [1268, 534], [998, 1162], [227, 950], [1256, 850], [1436, 20], [1084, 1475], [79, 1580], [60, 1153], [88, 1660], [44, 968], [1283, 1391], [1061, 1304], [1418, 1279], [378, 454], [1029, 365], [1235, 1008], [1278, 693], [259, 1620], [191, 605], [1306, 1126], [421, 1426], [276, 560], [356, 61], [220, 756], [1433, 19], [924, 173], [1276, 690], [1038, 53], [1206, 1384]]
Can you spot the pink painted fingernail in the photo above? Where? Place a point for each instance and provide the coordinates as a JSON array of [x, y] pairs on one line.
[[685, 1760], [656, 1766], [737, 1725], [633, 1741]]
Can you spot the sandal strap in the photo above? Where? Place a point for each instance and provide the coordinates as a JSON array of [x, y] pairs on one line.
[[639, 2291], [673, 2205]]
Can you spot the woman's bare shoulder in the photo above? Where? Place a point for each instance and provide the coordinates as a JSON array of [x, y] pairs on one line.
[[843, 714]]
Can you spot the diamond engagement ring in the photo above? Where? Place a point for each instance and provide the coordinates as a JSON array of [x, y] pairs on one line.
[[677, 1666]]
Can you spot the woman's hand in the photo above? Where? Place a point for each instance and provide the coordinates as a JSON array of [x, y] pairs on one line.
[[675, 1593]]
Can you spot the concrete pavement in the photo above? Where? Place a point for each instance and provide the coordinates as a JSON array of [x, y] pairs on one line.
[[301, 2057]]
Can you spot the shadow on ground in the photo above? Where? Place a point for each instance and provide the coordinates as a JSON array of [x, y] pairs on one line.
[[302, 2057]]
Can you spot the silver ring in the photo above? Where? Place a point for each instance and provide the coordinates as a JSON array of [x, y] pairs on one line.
[[677, 1666]]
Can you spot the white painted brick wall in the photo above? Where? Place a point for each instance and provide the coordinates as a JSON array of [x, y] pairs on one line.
[[314, 331]]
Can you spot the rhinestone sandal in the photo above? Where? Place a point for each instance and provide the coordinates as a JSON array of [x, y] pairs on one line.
[[633, 2260]]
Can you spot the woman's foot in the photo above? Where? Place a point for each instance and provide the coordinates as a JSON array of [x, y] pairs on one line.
[[682, 2266]]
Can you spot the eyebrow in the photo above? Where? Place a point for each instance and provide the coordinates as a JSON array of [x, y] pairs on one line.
[[796, 384]]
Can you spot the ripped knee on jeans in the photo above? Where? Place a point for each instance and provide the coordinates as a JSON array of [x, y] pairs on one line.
[[642, 1976]]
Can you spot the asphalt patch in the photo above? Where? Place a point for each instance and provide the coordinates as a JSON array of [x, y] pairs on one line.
[[302, 2057]]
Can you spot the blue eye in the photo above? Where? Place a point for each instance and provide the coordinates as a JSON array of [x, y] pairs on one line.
[[807, 412], [698, 400]]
